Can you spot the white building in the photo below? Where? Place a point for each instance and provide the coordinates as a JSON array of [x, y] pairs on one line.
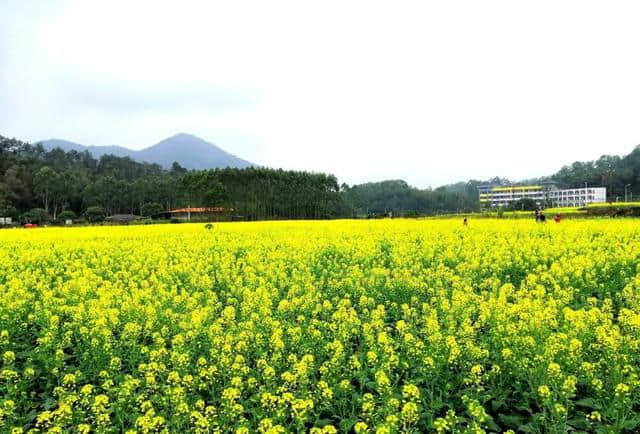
[[548, 194]]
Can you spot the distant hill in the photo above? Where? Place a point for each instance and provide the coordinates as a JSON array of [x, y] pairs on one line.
[[188, 150], [96, 151]]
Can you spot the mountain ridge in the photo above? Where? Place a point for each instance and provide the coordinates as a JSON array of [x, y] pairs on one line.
[[188, 150]]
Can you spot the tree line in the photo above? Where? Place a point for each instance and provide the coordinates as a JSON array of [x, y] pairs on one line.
[[611, 171], [40, 185], [397, 198], [619, 174]]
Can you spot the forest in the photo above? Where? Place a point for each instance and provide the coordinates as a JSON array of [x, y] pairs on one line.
[[38, 186]]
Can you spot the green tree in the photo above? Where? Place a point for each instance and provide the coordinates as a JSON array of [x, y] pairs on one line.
[[15, 187], [66, 215], [94, 214], [36, 215], [151, 208], [8, 210], [44, 183], [524, 204], [214, 194]]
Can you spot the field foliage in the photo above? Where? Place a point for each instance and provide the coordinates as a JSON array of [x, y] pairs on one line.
[[350, 326]]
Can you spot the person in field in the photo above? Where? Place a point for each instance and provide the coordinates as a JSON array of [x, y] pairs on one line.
[[557, 218], [465, 222]]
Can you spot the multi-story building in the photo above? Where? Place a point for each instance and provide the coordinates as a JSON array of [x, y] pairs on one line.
[[499, 196]]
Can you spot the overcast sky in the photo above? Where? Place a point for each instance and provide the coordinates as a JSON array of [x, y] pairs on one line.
[[430, 92]]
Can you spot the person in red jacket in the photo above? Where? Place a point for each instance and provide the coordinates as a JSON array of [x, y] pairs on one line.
[[557, 218]]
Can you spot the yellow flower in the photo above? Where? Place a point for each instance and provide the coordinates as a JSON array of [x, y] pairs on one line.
[[360, 428], [410, 392], [200, 332], [410, 413], [544, 391], [559, 409], [8, 357], [382, 380], [622, 389], [594, 416]]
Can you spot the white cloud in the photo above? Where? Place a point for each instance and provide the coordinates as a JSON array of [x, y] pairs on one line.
[[431, 92]]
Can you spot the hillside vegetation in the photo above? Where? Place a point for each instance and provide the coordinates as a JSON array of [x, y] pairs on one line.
[[36, 185]]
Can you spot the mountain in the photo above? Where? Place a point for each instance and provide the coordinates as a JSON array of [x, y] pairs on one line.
[[191, 152], [188, 150], [96, 151]]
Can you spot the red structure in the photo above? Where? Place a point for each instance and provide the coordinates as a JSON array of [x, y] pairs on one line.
[[201, 213]]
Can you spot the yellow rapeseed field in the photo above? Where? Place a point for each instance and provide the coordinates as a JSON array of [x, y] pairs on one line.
[[343, 326]]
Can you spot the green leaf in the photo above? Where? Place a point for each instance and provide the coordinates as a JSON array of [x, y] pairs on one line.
[[511, 420], [523, 407], [632, 423], [347, 424], [497, 404], [588, 403], [492, 425], [527, 428], [31, 416], [49, 403], [322, 422], [578, 423]]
